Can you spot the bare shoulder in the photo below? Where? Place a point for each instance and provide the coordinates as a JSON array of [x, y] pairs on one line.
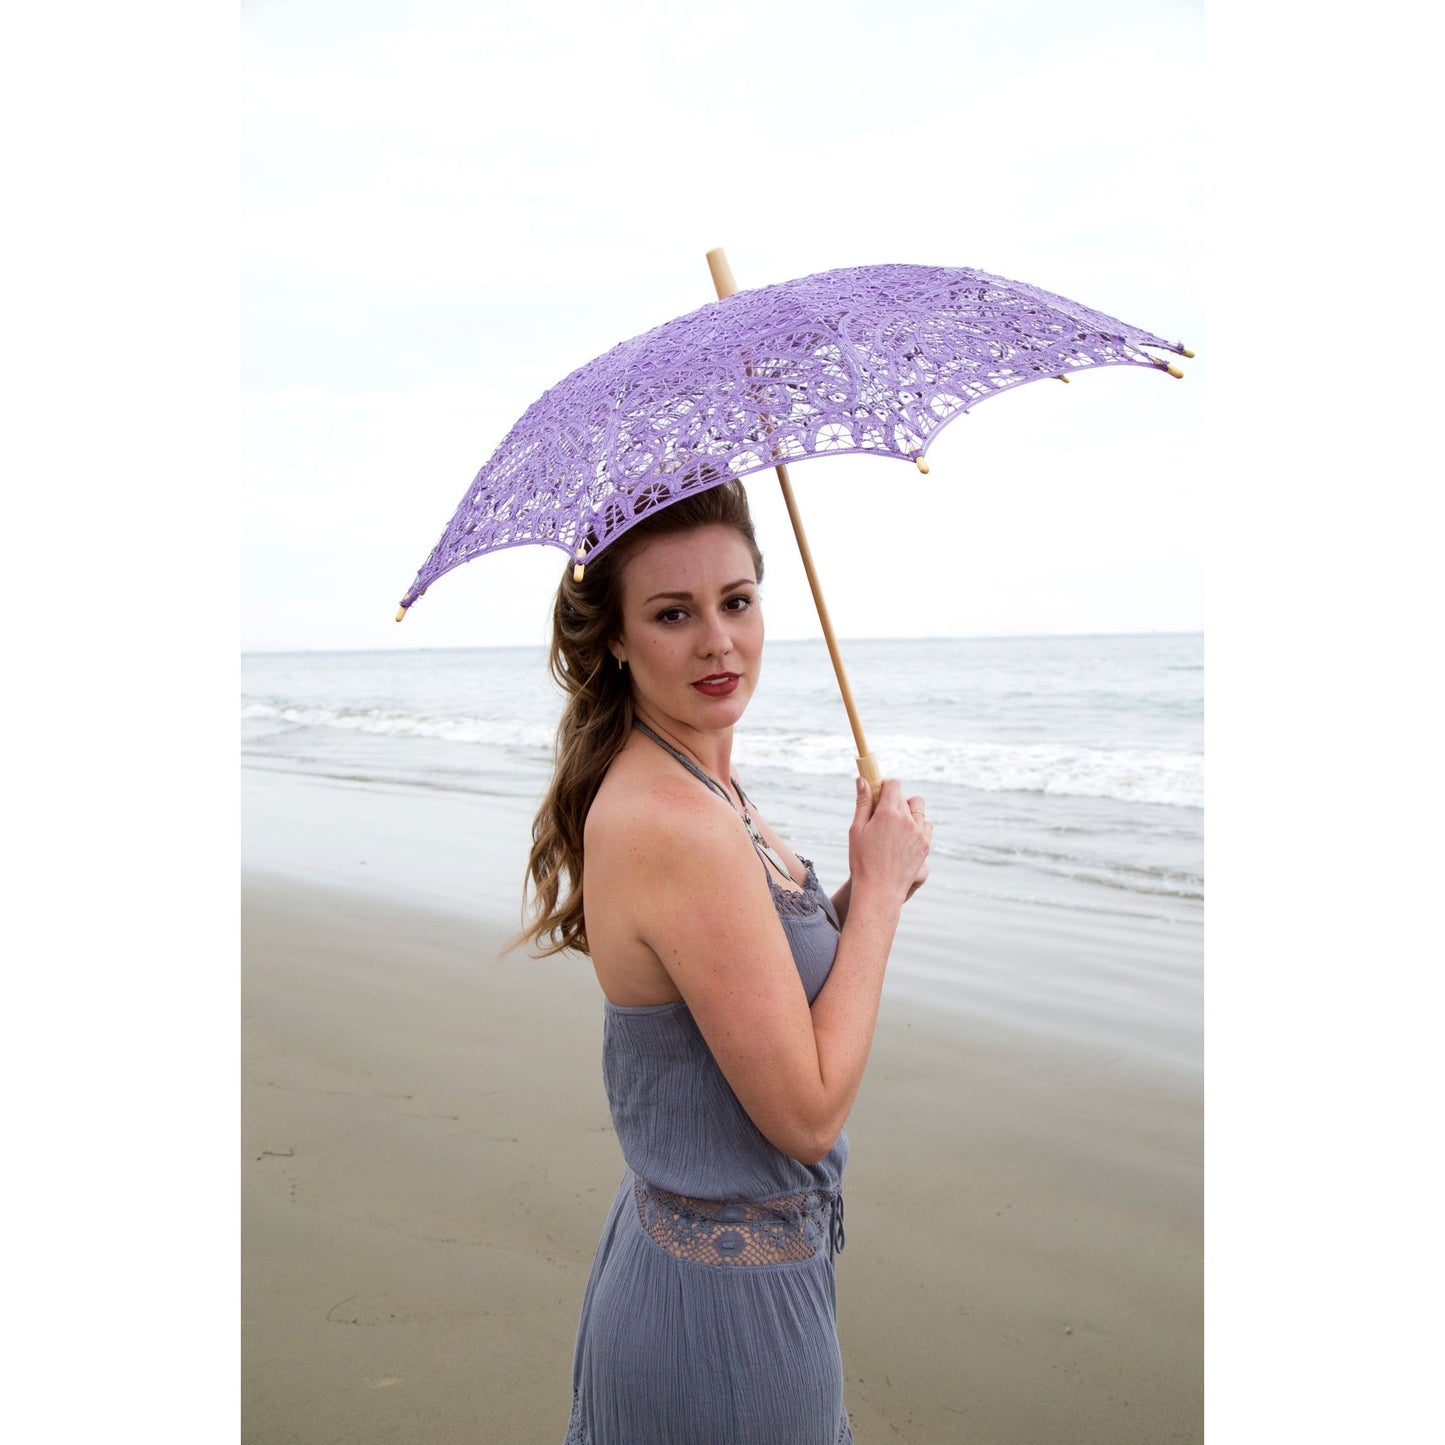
[[633, 786], [660, 848], [648, 831], [655, 817]]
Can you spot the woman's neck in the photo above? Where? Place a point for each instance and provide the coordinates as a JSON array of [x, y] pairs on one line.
[[711, 751]]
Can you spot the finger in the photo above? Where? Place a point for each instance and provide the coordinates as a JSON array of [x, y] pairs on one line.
[[891, 794], [863, 808]]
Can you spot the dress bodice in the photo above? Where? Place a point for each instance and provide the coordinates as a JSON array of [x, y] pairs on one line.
[[677, 1119]]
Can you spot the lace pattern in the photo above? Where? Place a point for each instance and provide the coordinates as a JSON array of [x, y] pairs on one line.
[[869, 359], [785, 1230], [800, 902], [576, 1431]]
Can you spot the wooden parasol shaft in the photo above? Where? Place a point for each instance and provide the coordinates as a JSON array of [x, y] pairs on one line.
[[868, 770]]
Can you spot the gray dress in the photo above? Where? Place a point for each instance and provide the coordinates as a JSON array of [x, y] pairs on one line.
[[710, 1314]]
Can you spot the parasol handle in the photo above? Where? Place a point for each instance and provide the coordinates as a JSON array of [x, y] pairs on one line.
[[868, 770]]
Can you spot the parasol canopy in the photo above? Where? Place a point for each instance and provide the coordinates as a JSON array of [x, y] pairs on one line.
[[874, 359]]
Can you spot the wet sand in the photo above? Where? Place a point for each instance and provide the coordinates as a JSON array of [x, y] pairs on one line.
[[428, 1161]]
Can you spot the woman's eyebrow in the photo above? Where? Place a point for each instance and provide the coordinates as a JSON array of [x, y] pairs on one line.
[[687, 596]]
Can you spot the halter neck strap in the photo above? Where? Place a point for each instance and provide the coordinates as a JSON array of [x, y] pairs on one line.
[[718, 788], [686, 761]]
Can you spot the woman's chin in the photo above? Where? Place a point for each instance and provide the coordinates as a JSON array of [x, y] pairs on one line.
[[705, 714]]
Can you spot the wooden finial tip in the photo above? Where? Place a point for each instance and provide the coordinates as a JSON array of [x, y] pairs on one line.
[[1174, 371], [722, 273], [400, 613], [1061, 378], [577, 570], [922, 464], [1185, 351]]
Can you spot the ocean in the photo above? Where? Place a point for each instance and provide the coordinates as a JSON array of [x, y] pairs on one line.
[[1064, 776]]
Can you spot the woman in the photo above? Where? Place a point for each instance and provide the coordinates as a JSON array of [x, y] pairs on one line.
[[740, 1000]]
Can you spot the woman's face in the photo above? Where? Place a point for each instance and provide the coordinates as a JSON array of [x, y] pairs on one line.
[[692, 627]]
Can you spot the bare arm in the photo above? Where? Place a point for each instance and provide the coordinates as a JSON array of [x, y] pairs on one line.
[[703, 911]]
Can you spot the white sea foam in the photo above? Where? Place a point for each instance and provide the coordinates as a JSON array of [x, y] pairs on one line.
[[493, 733], [1132, 775]]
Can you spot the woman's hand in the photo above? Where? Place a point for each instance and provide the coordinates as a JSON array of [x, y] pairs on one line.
[[844, 895], [915, 806], [888, 843]]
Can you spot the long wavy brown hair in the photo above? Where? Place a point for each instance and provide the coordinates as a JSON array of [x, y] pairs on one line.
[[597, 716]]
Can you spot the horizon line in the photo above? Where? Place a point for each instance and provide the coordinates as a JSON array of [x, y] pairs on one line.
[[817, 637]]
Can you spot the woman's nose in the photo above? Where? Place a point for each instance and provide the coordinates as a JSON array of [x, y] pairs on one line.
[[717, 640]]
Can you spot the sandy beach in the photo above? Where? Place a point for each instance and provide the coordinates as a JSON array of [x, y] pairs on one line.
[[428, 1160]]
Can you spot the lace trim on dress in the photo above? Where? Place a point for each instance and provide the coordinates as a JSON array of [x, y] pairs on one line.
[[785, 1230], [576, 1433], [804, 901]]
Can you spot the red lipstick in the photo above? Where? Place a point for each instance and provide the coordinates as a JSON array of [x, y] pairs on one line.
[[718, 684]]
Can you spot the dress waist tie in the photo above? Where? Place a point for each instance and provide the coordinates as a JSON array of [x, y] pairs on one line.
[[835, 1224]]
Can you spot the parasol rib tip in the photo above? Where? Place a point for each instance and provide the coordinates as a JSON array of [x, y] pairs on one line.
[[577, 571], [922, 464], [1061, 378], [1186, 352], [400, 613], [1174, 371]]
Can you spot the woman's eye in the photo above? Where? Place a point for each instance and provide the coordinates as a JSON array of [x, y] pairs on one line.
[[671, 614], [740, 603]]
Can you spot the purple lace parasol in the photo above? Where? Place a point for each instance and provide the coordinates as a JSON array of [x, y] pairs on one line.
[[865, 359]]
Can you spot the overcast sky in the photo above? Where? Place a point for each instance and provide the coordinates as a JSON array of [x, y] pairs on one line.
[[448, 207]]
